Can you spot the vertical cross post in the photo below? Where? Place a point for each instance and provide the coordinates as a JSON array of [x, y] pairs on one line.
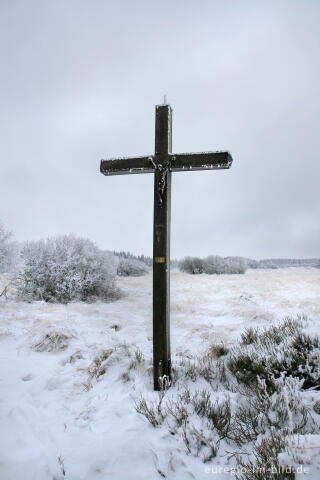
[[161, 246]]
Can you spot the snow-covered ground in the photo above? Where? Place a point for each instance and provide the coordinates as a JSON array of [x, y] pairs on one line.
[[58, 421]]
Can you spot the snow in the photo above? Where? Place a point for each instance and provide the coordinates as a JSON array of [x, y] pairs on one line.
[[53, 422]]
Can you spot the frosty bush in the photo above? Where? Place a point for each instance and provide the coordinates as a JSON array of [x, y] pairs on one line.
[[235, 264], [213, 264], [269, 352], [213, 409], [128, 267], [191, 265], [217, 265], [8, 251], [66, 268], [264, 462]]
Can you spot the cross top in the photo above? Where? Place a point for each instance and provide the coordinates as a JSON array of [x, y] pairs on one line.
[[163, 163]]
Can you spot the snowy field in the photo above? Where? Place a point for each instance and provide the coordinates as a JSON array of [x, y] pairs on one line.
[[60, 419]]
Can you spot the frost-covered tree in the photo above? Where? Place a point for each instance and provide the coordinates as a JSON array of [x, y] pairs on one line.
[[217, 265], [192, 265], [235, 265], [214, 265], [66, 268], [9, 251]]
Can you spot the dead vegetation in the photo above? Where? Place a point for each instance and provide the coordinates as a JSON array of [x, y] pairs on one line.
[[99, 365], [129, 356], [52, 341], [75, 356]]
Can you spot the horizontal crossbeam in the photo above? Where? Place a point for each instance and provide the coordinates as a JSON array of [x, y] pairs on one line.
[[179, 162], [200, 161], [125, 165]]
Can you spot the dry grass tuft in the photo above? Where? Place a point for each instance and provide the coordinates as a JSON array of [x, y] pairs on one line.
[[53, 341], [99, 365], [75, 356]]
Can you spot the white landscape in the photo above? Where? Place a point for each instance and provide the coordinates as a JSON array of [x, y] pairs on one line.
[[136, 84], [72, 376]]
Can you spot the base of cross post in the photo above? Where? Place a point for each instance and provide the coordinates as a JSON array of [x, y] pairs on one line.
[[162, 375]]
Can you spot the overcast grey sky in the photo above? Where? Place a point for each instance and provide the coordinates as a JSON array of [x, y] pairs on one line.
[[80, 80]]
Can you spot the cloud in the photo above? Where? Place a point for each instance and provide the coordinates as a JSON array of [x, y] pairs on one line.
[[80, 84]]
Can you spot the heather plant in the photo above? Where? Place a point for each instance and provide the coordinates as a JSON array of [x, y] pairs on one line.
[[268, 353], [249, 399], [263, 464]]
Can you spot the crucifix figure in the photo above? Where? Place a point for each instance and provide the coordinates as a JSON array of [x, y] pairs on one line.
[[162, 164]]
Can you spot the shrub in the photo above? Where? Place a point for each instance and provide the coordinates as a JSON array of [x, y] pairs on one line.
[[217, 414], [305, 359], [235, 265], [261, 410], [269, 352], [153, 411], [8, 251], [128, 267], [192, 265], [213, 264], [265, 463], [254, 416], [218, 265], [249, 336], [66, 268]]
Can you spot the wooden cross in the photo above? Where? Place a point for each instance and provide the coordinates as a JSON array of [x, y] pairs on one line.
[[162, 164]]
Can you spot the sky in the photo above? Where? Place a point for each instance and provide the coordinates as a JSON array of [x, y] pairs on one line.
[[79, 81]]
